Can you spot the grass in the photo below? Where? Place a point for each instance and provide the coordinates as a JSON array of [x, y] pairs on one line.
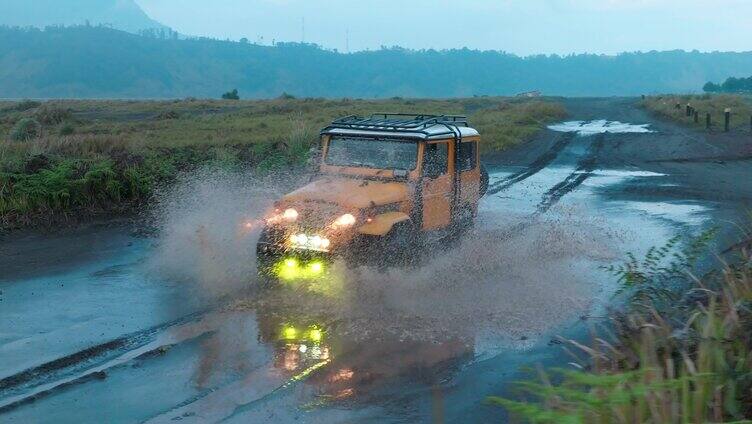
[[91, 156], [715, 104], [690, 361]]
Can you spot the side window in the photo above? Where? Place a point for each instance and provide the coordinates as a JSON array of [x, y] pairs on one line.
[[467, 160], [436, 159]]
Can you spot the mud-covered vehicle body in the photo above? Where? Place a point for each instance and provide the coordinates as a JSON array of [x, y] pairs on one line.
[[386, 185]]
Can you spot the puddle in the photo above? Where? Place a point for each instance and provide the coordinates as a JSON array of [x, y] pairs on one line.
[[684, 213], [606, 177], [585, 128]]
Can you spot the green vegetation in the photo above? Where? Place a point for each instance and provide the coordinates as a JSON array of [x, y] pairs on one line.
[[231, 95], [731, 85], [689, 362], [80, 157], [105, 63], [674, 108], [25, 129]]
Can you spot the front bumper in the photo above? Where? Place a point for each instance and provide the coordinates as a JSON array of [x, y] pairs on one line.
[[291, 264]]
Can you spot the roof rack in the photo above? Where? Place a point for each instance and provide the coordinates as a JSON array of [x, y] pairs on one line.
[[398, 122]]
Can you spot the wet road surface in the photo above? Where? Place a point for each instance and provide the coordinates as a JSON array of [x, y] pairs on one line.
[[93, 327]]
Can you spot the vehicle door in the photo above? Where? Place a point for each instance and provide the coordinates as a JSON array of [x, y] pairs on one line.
[[468, 165], [437, 184]]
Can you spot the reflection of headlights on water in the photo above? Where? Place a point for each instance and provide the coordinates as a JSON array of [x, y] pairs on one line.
[[313, 333]]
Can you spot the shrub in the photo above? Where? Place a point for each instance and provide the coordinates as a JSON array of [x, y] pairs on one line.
[[168, 115], [67, 129], [52, 115], [26, 129], [25, 105], [231, 95], [286, 96]]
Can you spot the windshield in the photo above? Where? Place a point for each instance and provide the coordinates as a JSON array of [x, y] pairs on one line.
[[371, 153]]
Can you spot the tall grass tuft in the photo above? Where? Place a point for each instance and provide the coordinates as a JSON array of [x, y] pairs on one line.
[[26, 129], [694, 365]]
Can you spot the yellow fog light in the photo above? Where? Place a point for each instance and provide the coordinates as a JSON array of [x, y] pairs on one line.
[[316, 267], [291, 263], [289, 333], [315, 335]]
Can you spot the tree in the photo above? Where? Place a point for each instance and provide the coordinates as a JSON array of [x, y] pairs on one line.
[[231, 95], [711, 87]]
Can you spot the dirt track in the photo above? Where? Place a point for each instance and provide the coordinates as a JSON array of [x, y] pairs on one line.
[[90, 330]]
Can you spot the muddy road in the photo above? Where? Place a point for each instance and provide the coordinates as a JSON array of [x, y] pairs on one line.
[[100, 325]]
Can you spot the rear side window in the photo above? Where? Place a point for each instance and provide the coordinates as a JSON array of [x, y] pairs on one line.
[[436, 159], [467, 156]]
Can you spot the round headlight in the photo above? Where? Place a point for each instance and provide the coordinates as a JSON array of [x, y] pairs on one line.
[[290, 214], [345, 220]]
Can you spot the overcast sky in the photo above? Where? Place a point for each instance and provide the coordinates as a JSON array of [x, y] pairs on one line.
[[518, 26]]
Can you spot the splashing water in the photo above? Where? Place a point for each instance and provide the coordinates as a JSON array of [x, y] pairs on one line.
[[511, 277]]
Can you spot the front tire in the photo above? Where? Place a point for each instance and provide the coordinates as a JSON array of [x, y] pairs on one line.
[[484, 179]]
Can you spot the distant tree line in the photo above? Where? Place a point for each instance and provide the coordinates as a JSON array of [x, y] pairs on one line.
[[731, 85], [96, 62]]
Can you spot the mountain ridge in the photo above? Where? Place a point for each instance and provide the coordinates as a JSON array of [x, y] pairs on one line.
[[125, 15], [98, 62]]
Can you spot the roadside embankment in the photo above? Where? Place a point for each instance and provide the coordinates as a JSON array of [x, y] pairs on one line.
[[63, 161], [707, 111]]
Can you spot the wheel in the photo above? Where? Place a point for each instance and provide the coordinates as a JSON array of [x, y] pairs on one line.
[[400, 246], [483, 180]]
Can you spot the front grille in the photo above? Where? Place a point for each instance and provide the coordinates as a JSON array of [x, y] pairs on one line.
[[314, 216]]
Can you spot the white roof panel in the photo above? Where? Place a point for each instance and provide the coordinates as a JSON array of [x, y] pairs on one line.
[[437, 131]]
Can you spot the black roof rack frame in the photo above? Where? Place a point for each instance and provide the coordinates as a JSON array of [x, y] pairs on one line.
[[398, 123]]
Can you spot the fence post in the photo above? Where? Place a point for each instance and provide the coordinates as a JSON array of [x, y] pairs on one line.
[[689, 109], [727, 119], [697, 117], [707, 120]]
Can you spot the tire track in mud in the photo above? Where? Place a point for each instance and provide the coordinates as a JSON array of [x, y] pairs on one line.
[[47, 378], [584, 170], [538, 164]]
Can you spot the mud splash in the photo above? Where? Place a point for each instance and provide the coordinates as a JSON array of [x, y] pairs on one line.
[[208, 227], [510, 281], [513, 277]]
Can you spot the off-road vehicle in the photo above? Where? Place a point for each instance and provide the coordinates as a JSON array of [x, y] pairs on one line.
[[386, 185]]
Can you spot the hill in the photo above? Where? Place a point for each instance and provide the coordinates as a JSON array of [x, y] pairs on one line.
[[98, 62], [125, 15]]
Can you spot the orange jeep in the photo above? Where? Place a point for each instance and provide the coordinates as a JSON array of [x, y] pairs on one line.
[[386, 185]]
